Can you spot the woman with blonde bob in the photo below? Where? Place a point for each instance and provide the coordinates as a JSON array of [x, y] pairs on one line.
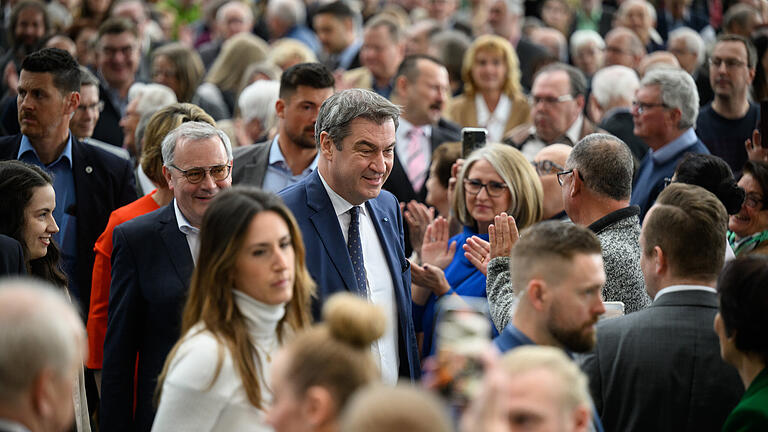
[[250, 292], [318, 371], [493, 97], [495, 179]]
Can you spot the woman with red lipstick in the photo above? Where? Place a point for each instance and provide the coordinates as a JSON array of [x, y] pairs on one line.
[[494, 179], [250, 292], [26, 215]]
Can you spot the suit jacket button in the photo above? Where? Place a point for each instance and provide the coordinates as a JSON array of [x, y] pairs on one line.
[[88, 169]]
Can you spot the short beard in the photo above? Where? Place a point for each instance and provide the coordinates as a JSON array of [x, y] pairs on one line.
[[573, 340], [301, 140]]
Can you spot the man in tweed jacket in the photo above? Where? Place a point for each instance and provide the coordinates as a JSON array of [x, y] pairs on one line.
[[596, 186]]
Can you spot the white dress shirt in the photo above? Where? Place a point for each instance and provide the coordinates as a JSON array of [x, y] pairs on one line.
[[678, 288], [191, 233], [381, 289]]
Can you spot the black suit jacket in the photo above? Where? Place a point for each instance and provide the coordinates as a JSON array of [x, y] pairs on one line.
[[398, 182], [151, 269], [11, 257], [659, 369], [103, 183], [622, 125], [108, 127]]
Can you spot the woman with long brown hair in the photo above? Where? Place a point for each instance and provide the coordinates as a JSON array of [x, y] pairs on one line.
[[249, 292]]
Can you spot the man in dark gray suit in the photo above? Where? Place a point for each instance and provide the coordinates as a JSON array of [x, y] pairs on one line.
[[660, 368], [292, 154]]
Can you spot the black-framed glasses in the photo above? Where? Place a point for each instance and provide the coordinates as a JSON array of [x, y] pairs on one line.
[[668, 181], [492, 188], [197, 174], [562, 174], [753, 202], [98, 106], [642, 107], [546, 167]]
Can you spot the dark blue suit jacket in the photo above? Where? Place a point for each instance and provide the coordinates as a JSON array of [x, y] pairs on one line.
[[151, 269], [103, 183], [11, 257], [330, 265]]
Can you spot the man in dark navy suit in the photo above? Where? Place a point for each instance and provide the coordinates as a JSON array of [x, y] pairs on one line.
[[353, 231], [152, 263], [90, 183]]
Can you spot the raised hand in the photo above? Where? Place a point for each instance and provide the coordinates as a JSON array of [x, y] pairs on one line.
[[435, 249], [502, 235], [755, 150], [478, 252], [418, 216]]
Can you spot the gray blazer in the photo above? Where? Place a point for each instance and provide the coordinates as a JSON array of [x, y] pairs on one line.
[[659, 369], [250, 164]]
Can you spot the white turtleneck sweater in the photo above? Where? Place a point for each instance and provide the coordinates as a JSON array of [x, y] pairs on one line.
[[190, 403]]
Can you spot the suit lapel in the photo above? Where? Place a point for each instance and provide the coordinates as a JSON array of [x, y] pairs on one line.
[[256, 168], [326, 224], [176, 243], [387, 236]]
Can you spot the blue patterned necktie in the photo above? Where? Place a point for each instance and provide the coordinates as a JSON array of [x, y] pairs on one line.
[[355, 248]]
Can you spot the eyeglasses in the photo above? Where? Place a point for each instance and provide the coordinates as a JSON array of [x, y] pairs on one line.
[[753, 202], [549, 100], [112, 51], [196, 175], [642, 107], [667, 181], [546, 167], [729, 63], [98, 106], [492, 188], [561, 174]]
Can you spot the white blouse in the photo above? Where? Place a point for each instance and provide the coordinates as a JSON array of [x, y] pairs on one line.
[[191, 402], [495, 121]]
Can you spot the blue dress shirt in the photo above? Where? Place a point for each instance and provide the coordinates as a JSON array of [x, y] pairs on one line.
[[279, 175]]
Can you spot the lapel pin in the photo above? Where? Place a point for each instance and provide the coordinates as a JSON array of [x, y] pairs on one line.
[[88, 169], [386, 219]]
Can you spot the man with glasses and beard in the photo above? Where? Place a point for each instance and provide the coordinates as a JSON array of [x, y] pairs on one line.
[[292, 154]]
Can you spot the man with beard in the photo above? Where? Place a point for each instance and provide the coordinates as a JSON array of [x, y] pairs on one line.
[[292, 154], [728, 121], [421, 88], [29, 24], [557, 275], [660, 368]]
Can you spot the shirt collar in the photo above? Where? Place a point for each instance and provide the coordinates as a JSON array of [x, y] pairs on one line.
[[405, 126], [679, 144], [184, 225], [574, 132], [340, 205], [26, 146], [276, 156], [679, 288]]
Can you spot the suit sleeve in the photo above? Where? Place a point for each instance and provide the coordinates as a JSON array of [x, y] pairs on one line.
[[590, 365], [121, 343]]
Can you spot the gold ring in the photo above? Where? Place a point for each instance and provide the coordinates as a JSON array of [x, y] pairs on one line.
[[482, 259]]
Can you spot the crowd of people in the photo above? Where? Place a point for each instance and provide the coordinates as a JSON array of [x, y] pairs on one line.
[[236, 215]]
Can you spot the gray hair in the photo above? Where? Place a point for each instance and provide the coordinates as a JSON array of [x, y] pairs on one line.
[[693, 42], [575, 77], [338, 111], [289, 11], [579, 38], [605, 163], [193, 131], [39, 330], [677, 91], [613, 84], [152, 97], [257, 101], [87, 77], [248, 14]]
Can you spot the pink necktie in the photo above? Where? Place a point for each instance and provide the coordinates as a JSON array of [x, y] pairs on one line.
[[417, 160]]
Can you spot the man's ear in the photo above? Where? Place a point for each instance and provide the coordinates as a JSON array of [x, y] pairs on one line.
[[401, 86], [580, 102], [660, 263], [167, 175], [326, 145], [73, 101], [280, 108], [577, 183], [538, 293]]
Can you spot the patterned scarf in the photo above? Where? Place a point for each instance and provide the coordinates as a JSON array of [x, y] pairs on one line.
[[747, 243]]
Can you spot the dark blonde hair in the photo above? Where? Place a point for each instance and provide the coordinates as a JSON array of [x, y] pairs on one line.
[[160, 124], [189, 68], [337, 353], [495, 45], [523, 184], [211, 300]]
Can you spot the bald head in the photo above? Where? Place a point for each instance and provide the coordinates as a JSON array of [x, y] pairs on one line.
[[657, 59], [549, 161]]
